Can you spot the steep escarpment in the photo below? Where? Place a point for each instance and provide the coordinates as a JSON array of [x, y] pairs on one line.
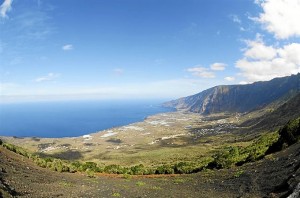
[[239, 98]]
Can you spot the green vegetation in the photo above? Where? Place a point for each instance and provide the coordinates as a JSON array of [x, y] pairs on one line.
[[289, 135], [239, 173], [139, 183], [179, 181], [116, 194], [156, 188], [66, 184], [234, 155]]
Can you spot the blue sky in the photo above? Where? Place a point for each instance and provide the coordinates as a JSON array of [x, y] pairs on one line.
[[130, 49]]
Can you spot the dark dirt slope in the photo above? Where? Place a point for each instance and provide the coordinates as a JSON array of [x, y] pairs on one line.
[[275, 176]]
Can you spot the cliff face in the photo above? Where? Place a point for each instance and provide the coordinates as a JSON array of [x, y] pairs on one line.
[[238, 98]]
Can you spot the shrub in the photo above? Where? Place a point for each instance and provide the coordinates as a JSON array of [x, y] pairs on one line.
[[41, 162], [114, 169], [232, 155], [92, 166], [227, 157], [164, 169], [183, 167], [288, 135], [138, 170], [259, 148]]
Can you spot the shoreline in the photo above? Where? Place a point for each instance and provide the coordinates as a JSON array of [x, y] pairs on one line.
[[56, 120], [151, 141]]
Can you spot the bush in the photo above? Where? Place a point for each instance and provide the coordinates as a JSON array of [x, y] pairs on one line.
[[227, 157], [92, 166], [115, 169], [164, 169], [184, 168], [138, 170], [232, 155], [288, 135], [259, 148]]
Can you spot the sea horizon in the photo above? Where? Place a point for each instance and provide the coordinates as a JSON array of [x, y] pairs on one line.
[[59, 119]]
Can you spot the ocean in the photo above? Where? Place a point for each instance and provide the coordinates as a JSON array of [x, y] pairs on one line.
[[72, 119]]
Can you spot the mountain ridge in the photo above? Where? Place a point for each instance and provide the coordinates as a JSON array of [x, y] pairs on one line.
[[238, 98]]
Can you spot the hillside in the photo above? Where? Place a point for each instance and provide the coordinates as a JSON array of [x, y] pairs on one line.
[[238, 98], [278, 117]]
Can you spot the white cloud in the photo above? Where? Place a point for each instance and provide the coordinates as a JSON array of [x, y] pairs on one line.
[[218, 66], [243, 82], [48, 77], [257, 50], [204, 72], [197, 69], [243, 29], [280, 17], [67, 47], [291, 52], [201, 72], [261, 62], [5, 7], [235, 18], [229, 78]]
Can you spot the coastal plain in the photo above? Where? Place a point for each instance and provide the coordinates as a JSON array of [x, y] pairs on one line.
[[164, 138]]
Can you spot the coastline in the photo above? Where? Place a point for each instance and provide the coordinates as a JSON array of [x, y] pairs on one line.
[[61, 119], [151, 141]]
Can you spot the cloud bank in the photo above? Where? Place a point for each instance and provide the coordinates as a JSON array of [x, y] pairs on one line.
[[263, 61], [280, 17], [5, 7]]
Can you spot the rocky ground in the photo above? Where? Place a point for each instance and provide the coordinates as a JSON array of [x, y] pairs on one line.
[[275, 176]]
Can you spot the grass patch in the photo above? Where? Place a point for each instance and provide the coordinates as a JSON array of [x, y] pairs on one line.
[[238, 173], [179, 181], [116, 194], [156, 188], [127, 176], [66, 184], [140, 183]]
